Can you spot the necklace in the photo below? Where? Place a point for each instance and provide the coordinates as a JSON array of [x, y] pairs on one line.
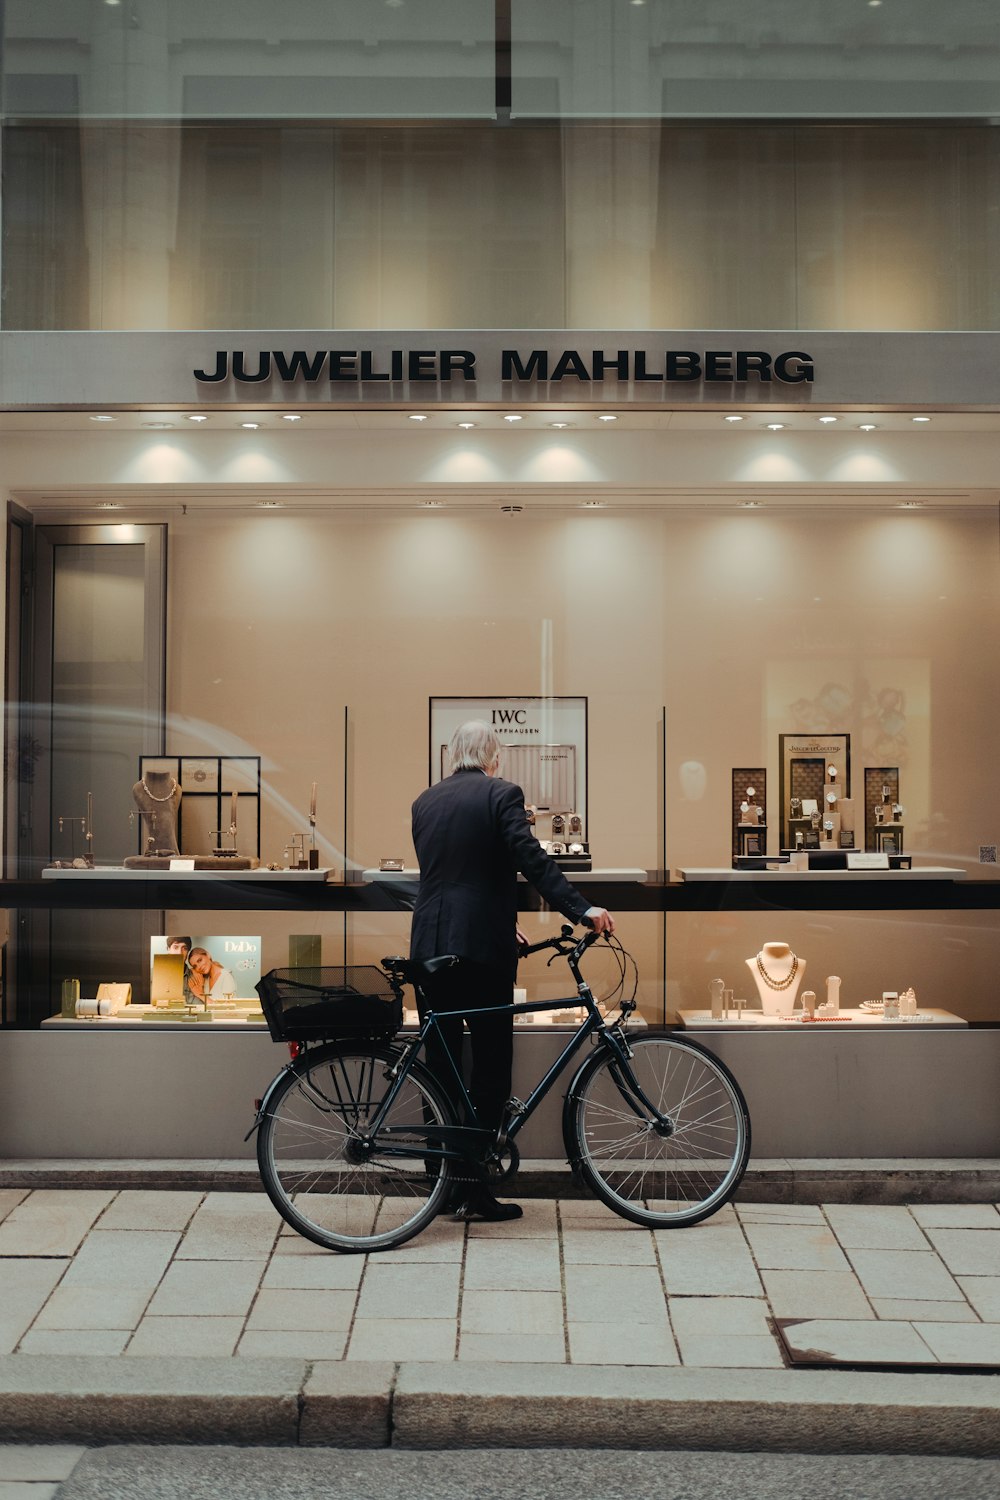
[[777, 984], [154, 797]]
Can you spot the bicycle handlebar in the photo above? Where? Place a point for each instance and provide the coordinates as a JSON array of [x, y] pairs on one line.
[[566, 943]]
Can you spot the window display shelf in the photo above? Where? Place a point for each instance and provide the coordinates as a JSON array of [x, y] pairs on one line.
[[848, 1020], [929, 888]]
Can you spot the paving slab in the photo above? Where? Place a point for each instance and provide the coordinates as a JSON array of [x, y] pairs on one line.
[[326, 1273], [956, 1215], [126, 1259], [968, 1252], [732, 1317], [816, 1294], [914, 1274], [512, 1312], [75, 1341], [795, 1247], [622, 1344], [209, 1288], [524, 1406], [25, 1287], [51, 1221], [601, 1247], [896, 1308], [281, 1311], [296, 1343], [514, 1265], [150, 1209], [198, 1337], [92, 1399], [403, 1338], [708, 1261], [984, 1294], [868, 1226], [390, 1290], [841, 1341], [596, 1295], [963, 1343], [10, 1198], [513, 1348], [229, 1226], [756, 1353]]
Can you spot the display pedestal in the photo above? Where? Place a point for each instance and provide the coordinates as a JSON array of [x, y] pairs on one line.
[[201, 861]]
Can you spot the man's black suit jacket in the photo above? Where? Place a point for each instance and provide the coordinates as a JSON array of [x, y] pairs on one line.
[[472, 836]]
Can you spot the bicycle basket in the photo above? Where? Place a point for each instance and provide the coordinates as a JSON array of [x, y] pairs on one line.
[[336, 1002]]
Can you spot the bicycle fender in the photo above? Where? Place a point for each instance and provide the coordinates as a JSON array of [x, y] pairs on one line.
[[569, 1104], [263, 1102]]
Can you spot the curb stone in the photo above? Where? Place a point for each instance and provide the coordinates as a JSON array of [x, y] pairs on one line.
[[95, 1399]]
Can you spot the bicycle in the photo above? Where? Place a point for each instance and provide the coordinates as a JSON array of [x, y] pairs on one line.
[[358, 1145]]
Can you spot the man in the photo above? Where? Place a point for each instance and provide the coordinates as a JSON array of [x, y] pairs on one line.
[[472, 836]]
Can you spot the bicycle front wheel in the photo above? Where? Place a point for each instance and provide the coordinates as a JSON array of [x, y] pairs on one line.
[[323, 1173], [661, 1180]]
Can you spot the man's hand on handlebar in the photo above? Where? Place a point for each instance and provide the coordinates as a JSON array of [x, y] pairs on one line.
[[600, 919]]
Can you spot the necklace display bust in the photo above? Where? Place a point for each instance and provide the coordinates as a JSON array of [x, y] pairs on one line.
[[158, 797], [777, 973]]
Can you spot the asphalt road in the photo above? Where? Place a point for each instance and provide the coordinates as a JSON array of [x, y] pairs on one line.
[[175, 1473]]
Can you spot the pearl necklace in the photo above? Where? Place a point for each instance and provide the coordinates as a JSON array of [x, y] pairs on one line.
[[154, 797], [777, 984]]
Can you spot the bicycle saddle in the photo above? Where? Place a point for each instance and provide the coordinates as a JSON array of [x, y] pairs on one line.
[[413, 970]]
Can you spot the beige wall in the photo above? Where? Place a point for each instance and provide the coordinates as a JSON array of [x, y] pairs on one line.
[[742, 625]]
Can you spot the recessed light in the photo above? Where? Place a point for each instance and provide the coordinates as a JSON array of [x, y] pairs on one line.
[[250, 426], [513, 417], [828, 419], [593, 504], [290, 416], [432, 505], [197, 417], [749, 504], [920, 419], [102, 418], [416, 416], [158, 426], [511, 510], [909, 505], [775, 426], [734, 419], [466, 425], [108, 505], [270, 504], [607, 417], [867, 427], [559, 424]]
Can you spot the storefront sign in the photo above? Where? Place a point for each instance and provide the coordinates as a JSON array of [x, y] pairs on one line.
[[534, 366]]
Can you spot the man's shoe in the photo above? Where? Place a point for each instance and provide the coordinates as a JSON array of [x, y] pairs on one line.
[[481, 1204]]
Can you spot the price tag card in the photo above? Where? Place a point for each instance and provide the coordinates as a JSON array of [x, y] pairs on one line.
[[859, 861]]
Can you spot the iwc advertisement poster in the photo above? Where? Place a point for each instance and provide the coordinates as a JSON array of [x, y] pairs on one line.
[[545, 746]]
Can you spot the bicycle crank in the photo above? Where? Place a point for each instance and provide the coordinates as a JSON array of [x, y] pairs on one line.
[[503, 1163]]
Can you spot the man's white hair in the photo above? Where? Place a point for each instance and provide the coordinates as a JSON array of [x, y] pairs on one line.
[[474, 747]]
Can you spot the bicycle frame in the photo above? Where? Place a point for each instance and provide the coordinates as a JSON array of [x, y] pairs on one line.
[[451, 1137]]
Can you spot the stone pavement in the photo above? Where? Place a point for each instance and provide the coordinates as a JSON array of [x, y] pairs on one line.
[[199, 1274], [127, 1295]]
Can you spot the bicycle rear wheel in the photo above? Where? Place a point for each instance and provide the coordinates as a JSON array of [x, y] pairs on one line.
[[324, 1176], [663, 1181]]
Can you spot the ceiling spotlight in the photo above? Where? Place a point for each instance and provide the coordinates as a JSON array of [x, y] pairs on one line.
[[250, 426], [909, 505], [867, 427], [920, 419], [432, 505], [416, 416], [158, 426], [607, 417], [466, 425], [108, 505], [558, 424], [269, 504], [828, 419], [290, 416], [102, 418], [513, 418], [593, 504], [749, 504], [734, 419], [775, 426], [197, 417], [511, 510]]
